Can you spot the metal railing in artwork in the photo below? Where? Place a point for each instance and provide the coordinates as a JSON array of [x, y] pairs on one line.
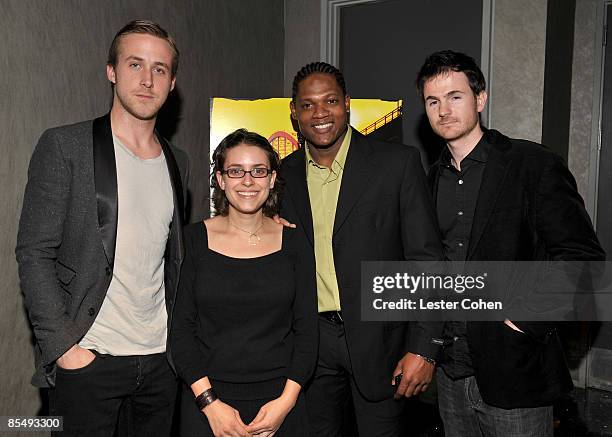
[[387, 118]]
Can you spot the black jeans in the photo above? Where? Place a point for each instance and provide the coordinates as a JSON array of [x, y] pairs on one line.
[[91, 398], [333, 385]]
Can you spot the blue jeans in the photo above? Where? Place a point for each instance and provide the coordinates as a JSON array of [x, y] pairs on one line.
[[465, 414]]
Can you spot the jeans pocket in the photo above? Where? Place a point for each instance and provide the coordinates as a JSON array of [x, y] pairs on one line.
[[87, 367]]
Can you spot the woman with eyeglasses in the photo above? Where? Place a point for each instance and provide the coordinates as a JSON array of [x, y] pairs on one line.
[[243, 336]]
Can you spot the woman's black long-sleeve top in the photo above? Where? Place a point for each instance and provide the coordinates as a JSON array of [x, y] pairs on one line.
[[244, 320]]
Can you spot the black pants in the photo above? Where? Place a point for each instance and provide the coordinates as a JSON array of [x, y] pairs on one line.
[[247, 399], [91, 398], [333, 385]]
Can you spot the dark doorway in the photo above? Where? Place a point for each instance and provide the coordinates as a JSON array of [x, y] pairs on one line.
[[383, 44]]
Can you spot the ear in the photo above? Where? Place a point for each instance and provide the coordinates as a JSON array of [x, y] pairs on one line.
[[481, 100], [292, 108], [347, 103], [273, 179], [220, 180], [173, 83], [110, 74]]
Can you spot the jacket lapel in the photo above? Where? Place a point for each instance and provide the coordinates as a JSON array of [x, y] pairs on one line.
[[492, 182], [177, 191], [355, 177], [297, 188], [105, 179]]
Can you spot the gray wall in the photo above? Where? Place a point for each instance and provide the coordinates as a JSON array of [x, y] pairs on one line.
[[583, 76], [302, 36], [52, 58], [517, 86], [517, 76]]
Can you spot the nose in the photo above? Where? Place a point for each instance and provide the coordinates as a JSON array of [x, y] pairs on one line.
[[147, 78], [444, 109], [320, 111], [247, 180]]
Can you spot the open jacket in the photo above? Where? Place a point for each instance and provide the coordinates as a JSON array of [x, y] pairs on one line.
[[528, 209], [384, 213], [67, 232]]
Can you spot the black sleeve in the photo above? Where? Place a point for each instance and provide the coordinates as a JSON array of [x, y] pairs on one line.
[[421, 242], [563, 225], [305, 325], [183, 339], [561, 219]]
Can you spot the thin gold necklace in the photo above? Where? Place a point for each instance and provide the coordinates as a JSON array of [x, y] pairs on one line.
[[254, 237]]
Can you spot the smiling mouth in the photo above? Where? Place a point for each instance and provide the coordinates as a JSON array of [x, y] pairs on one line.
[[248, 193], [322, 127]]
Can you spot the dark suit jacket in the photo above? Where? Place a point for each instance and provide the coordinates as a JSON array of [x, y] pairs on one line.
[[66, 241], [383, 213], [528, 209]]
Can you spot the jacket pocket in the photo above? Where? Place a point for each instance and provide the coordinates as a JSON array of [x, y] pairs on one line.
[[64, 273]]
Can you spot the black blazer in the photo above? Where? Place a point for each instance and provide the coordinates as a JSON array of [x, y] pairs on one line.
[[67, 231], [383, 213], [528, 209]]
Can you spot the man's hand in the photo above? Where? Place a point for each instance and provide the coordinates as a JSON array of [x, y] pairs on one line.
[[224, 420], [75, 358], [282, 221], [417, 375]]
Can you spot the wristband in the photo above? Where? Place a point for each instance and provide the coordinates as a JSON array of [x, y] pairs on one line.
[[429, 360], [206, 398]]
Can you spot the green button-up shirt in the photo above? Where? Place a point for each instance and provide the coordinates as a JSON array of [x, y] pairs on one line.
[[323, 189]]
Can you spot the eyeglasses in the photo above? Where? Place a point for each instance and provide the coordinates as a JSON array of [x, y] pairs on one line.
[[237, 172]]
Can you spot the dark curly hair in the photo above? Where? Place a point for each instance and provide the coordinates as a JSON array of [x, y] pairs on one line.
[[317, 67], [446, 61], [243, 136]]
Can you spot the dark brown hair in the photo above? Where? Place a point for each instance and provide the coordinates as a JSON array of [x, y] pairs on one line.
[[148, 28], [243, 136], [446, 61]]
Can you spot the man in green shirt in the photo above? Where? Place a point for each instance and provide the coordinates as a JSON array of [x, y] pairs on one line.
[[357, 199]]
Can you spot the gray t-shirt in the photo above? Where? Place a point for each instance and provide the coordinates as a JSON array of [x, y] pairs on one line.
[[133, 317]]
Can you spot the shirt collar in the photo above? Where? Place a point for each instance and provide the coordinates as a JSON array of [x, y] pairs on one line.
[[479, 153], [339, 160]]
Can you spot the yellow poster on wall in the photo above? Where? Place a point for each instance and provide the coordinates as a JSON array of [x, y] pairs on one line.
[[271, 118]]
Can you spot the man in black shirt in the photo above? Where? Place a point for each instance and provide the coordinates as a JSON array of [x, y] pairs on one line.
[[498, 199]]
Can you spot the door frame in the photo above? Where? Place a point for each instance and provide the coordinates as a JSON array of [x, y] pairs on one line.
[[595, 146], [596, 353], [330, 37]]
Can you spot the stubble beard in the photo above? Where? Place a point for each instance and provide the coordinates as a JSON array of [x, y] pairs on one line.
[[131, 106], [453, 134]]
